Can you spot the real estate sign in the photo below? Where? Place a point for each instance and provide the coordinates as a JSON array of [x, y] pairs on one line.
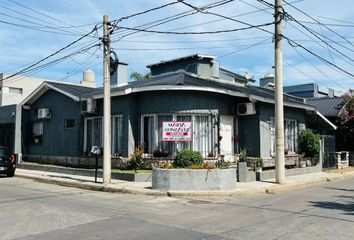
[[176, 131]]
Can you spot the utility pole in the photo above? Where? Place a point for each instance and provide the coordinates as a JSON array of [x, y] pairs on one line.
[[279, 105], [107, 103]]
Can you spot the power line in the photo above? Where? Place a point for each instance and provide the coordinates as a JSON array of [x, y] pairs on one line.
[[51, 55], [202, 32], [229, 18], [43, 14], [325, 47], [196, 41], [49, 64], [186, 48], [245, 48], [41, 20], [295, 44], [304, 74], [318, 69], [115, 22], [309, 16], [38, 26], [170, 19]]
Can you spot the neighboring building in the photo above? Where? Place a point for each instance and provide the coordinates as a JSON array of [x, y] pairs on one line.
[[15, 90], [327, 102], [227, 113], [329, 107], [311, 90]]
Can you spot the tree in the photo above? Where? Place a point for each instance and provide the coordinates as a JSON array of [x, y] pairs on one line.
[[345, 129], [139, 76]]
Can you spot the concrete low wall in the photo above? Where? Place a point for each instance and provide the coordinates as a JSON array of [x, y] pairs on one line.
[[130, 176], [83, 162], [270, 174], [193, 179]]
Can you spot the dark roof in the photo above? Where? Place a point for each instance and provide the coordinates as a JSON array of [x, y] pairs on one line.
[[183, 78], [193, 56], [72, 89], [329, 107]]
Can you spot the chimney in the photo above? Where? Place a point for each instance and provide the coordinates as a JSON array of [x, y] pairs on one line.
[[267, 80], [120, 76], [88, 79]]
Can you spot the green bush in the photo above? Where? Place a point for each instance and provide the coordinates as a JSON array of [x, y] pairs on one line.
[[187, 158], [309, 143]]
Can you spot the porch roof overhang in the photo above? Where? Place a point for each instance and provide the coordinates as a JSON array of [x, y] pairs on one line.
[[42, 89]]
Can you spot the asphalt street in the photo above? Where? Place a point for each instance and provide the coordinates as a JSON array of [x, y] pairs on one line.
[[33, 210]]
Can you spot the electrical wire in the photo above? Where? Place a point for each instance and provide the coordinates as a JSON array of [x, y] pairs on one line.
[[309, 16], [51, 55], [166, 20], [45, 15], [295, 44], [245, 48], [202, 32]]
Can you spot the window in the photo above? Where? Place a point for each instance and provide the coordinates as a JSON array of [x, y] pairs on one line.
[[69, 123], [290, 136], [15, 91], [93, 133], [117, 135], [37, 129], [203, 135]]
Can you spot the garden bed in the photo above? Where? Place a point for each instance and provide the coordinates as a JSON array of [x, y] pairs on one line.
[[193, 179]]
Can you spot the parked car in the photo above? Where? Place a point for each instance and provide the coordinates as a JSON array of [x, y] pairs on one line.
[[7, 162]]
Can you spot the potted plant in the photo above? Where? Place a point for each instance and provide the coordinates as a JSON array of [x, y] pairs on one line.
[[310, 147], [302, 161], [259, 164]]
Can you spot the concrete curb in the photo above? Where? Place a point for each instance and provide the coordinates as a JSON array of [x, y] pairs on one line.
[[237, 192]]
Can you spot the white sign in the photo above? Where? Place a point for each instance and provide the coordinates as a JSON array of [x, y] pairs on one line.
[[180, 131]]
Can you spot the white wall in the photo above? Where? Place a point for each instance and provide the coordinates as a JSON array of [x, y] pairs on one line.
[[27, 84], [227, 133]]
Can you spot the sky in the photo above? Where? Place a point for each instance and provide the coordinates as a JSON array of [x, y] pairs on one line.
[[320, 49]]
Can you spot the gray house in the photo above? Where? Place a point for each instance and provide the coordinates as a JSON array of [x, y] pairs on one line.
[[52, 120], [226, 113]]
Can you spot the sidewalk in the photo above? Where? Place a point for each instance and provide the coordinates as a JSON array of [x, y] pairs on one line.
[[249, 188]]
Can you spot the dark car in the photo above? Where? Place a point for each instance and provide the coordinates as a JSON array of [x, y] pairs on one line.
[[7, 162]]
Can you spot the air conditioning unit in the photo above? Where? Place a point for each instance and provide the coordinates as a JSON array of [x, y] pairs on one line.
[[91, 105], [44, 113], [246, 109]]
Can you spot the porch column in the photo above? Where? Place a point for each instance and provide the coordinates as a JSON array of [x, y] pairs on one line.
[[18, 132]]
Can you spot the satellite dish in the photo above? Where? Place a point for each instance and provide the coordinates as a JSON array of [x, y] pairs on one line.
[[248, 75]]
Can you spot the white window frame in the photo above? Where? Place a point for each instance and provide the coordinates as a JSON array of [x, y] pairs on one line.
[[174, 115], [272, 135], [113, 133]]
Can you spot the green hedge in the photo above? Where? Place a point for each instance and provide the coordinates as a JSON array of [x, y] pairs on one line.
[[187, 158], [309, 143]]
